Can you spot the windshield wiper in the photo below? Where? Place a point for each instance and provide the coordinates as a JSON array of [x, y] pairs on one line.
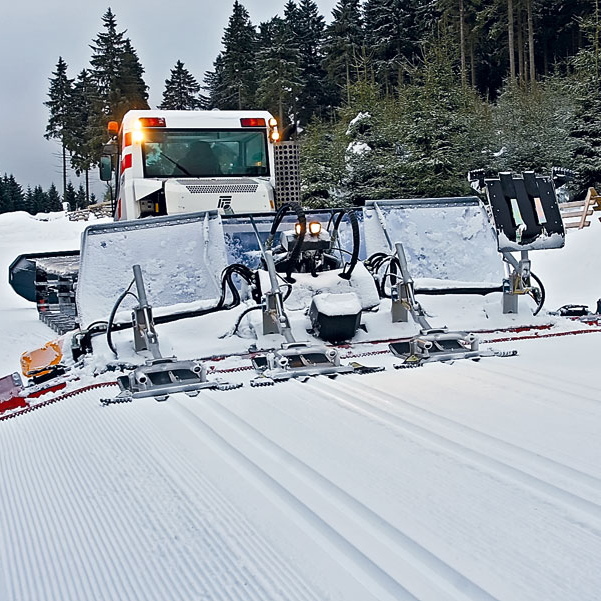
[[186, 172]]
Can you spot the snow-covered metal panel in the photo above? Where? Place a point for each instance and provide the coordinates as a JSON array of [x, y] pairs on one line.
[[444, 238], [182, 258]]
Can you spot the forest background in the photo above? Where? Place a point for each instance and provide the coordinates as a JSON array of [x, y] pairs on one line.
[[390, 99]]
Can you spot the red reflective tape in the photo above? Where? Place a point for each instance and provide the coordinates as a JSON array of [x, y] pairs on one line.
[[126, 162], [127, 139], [57, 399]]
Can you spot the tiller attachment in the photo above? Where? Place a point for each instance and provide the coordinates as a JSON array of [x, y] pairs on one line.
[[160, 376], [294, 359], [298, 360], [431, 344]]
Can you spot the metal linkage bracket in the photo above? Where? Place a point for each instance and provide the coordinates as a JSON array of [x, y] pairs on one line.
[[298, 360], [160, 378]]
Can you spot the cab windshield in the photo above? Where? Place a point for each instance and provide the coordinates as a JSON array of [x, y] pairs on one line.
[[205, 153]]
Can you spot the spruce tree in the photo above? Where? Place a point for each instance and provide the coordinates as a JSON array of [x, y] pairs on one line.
[[70, 197], [214, 85], [54, 199], [278, 60], [14, 194], [59, 105], [117, 76], [309, 29], [130, 82], [181, 90], [585, 131], [82, 128], [107, 53], [81, 201], [238, 78], [5, 201], [344, 38], [28, 202], [391, 35], [39, 201]]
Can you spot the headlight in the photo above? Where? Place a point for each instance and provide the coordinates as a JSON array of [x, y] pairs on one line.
[[314, 228], [297, 229]]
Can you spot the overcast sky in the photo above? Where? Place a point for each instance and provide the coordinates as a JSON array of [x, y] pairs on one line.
[[36, 32]]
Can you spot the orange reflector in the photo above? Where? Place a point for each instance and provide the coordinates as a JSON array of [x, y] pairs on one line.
[[252, 122], [113, 127], [42, 360], [127, 139], [152, 121]]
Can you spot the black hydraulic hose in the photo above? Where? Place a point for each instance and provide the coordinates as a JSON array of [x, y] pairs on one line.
[[542, 293], [296, 251], [109, 327], [242, 316], [226, 282], [335, 219]]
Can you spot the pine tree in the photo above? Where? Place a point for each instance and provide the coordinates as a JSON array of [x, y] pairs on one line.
[[278, 60], [59, 105], [344, 38], [70, 197], [54, 199], [181, 90], [238, 78]]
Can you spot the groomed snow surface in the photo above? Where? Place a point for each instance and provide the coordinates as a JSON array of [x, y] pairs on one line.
[[470, 481]]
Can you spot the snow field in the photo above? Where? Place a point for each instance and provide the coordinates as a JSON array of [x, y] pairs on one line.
[[424, 484], [470, 481]]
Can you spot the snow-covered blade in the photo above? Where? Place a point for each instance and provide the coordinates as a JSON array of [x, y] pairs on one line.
[[445, 239], [182, 258]]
